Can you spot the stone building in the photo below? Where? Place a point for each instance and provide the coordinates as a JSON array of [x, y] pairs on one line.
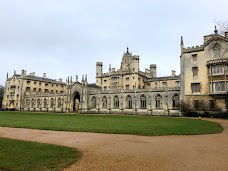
[[125, 90], [204, 72], [202, 82]]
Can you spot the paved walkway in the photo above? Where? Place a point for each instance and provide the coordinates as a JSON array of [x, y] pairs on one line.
[[130, 152]]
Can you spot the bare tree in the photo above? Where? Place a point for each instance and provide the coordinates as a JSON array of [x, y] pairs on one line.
[[222, 26], [1, 95]]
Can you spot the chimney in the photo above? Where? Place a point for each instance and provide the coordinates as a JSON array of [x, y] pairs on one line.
[[173, 73], [60, 79], [153, 72], [23, 72], [44, 75], [226, 34]]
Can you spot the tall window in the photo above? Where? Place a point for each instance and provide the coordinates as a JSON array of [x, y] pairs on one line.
[[143, 101], [38, 103], [219, 86], [52, 103], [217, 52], [158, 100], [27, 103], [59, 103], [104, 102], [33, 103], [94, 102], [116, 102], [129, 102], [195, 87], [176, 101], [195, 71], [45, 103]]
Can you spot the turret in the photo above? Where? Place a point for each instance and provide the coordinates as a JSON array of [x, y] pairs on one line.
[[99, 66], [153, 70], [23, 72], [135, 63]]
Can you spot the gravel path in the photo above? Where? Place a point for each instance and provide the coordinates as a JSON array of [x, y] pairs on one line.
[[130, 152]]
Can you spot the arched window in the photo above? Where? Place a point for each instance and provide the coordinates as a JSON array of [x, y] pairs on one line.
[[33, 103], [104, 101], [94, 102], [59, 103], [38, 103], [34, 90], [45, 103], [143, 101], [128, 102], [116, 102], [27, 103], [176, 101], [158, 100], [52, 103]]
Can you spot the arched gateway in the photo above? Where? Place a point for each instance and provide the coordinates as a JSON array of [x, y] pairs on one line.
[[76, 101]]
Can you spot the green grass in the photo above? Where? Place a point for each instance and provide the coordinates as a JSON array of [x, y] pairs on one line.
[[114, 124], [23, 156]]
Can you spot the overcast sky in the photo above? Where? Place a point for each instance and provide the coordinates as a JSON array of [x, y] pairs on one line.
[[67, 37]]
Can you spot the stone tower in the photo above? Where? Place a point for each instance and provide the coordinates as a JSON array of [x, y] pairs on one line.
[[99, 66]]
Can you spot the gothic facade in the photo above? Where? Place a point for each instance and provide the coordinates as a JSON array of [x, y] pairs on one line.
[[129, 90]]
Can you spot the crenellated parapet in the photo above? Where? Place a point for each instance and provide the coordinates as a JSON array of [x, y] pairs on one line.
[[155, 89], [193, 49]]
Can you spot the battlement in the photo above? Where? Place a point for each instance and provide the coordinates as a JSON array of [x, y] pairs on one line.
[[193, 49], [99, 64], [155, 89], [135, 57]]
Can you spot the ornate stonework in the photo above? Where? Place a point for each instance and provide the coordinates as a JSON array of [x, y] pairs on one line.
[[129, 90]]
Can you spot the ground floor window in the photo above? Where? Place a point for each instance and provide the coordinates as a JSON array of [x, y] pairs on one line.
[[212, 104], [104, 101], [143, 101], [116, 102], [158, 100], [129, 102], [196, 104]]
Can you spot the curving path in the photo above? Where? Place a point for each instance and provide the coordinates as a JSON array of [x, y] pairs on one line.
[[130, 152]]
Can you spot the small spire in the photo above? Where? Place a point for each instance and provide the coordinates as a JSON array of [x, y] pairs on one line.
[[216, 31], [83, 78], [76, 78], [182, 41], [127, 50], [7, 75], [14, 72], [86, 77]]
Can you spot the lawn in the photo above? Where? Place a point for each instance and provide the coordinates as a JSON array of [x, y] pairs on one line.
[[113, 124], [23, 156]]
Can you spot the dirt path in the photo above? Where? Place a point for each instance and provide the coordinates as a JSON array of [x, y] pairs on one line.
[[129, 152]]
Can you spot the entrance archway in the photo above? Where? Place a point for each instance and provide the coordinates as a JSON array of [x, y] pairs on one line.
[[76, 101]]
